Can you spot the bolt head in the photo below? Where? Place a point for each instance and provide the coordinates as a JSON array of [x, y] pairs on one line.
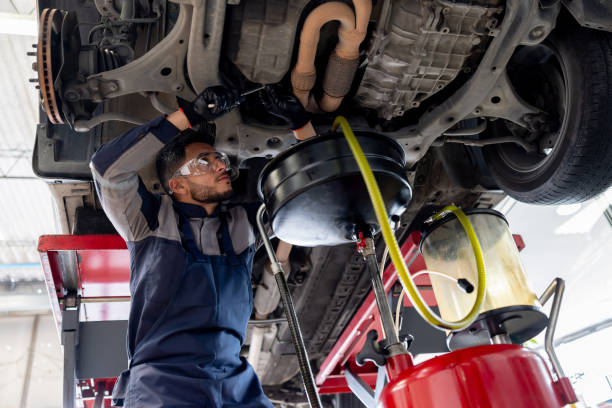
[[537, 32], [71, 96]]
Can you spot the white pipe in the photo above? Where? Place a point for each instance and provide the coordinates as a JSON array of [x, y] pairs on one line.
[[266, 301], [257, 335]]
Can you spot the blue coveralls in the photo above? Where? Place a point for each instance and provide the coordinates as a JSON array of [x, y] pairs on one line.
[[189, 310]]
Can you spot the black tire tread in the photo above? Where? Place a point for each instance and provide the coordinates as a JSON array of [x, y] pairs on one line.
[[585, 170]]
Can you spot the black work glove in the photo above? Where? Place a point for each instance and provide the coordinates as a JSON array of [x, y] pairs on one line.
[[220, 99], [286, 107]]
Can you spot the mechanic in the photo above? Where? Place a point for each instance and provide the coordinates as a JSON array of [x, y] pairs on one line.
[[191, 256]]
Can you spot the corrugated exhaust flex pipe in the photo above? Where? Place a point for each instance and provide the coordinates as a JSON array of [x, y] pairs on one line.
[[344, 60]]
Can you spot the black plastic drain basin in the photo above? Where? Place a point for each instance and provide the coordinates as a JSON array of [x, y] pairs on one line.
[[315, 194]]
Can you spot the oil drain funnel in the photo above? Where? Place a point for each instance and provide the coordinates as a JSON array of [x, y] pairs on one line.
[[511, 311], [315, 194]]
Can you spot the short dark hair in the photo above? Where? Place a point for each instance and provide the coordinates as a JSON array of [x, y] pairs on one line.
[[172, 155]]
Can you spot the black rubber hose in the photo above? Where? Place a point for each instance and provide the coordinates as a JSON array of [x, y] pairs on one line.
[[298, 341]]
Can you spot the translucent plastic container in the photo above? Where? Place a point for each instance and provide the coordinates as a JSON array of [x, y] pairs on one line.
[[446, 249]]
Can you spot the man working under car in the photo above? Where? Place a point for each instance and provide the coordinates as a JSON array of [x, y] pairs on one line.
[[190, 258]]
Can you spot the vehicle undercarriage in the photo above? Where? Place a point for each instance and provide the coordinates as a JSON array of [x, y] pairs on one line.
[[486, 97]]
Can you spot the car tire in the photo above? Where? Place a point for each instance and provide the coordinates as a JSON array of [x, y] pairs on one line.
[[578, 164]]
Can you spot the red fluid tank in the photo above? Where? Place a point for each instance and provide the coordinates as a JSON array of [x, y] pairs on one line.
[[491, 376]]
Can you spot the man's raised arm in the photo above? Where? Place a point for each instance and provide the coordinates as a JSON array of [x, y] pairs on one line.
[[128, 204]]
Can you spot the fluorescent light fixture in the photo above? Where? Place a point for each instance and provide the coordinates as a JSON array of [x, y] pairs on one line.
[[18, 24]]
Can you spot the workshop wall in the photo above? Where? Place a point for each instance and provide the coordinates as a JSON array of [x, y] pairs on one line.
[[30, 362]]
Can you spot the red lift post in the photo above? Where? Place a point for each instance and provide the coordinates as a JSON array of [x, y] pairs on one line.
[[87, 278]]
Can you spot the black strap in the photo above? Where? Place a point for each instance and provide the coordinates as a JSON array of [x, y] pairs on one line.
[[226, 239], [187, 240]]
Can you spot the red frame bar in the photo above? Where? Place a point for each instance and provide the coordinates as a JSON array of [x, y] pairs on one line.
[[519, 241], [330, 378], [102, 268], [88, 391], [48, 243], [336, 383]]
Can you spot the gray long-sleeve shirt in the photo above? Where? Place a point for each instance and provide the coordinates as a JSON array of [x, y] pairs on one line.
[[149, 223]]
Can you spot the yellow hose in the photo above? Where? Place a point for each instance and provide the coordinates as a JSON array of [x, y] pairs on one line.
[[396, 256]]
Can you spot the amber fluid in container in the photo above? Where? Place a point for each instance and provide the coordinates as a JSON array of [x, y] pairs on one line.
[[446, 249]]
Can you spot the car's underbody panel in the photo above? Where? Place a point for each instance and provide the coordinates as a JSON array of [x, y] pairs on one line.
[[417, 50], [424, 47]]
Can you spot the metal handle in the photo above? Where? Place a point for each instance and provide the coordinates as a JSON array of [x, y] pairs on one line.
[[386, 317], [245, 93], [556, 288], [292, 320]]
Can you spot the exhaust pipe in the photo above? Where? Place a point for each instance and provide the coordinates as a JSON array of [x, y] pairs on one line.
[[344, 60]]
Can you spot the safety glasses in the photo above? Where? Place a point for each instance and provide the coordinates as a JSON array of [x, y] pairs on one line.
[[205, 163]]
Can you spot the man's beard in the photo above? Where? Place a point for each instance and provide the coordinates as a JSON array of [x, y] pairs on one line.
[[207, 195]]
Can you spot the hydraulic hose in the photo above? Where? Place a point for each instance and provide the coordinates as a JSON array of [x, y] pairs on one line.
[[292, 319], [296, 335], [396, 256]]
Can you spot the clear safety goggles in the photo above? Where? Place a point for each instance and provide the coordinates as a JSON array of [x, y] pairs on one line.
[[206, 163]]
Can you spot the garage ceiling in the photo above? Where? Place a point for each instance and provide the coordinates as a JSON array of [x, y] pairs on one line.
[[27, 209]]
